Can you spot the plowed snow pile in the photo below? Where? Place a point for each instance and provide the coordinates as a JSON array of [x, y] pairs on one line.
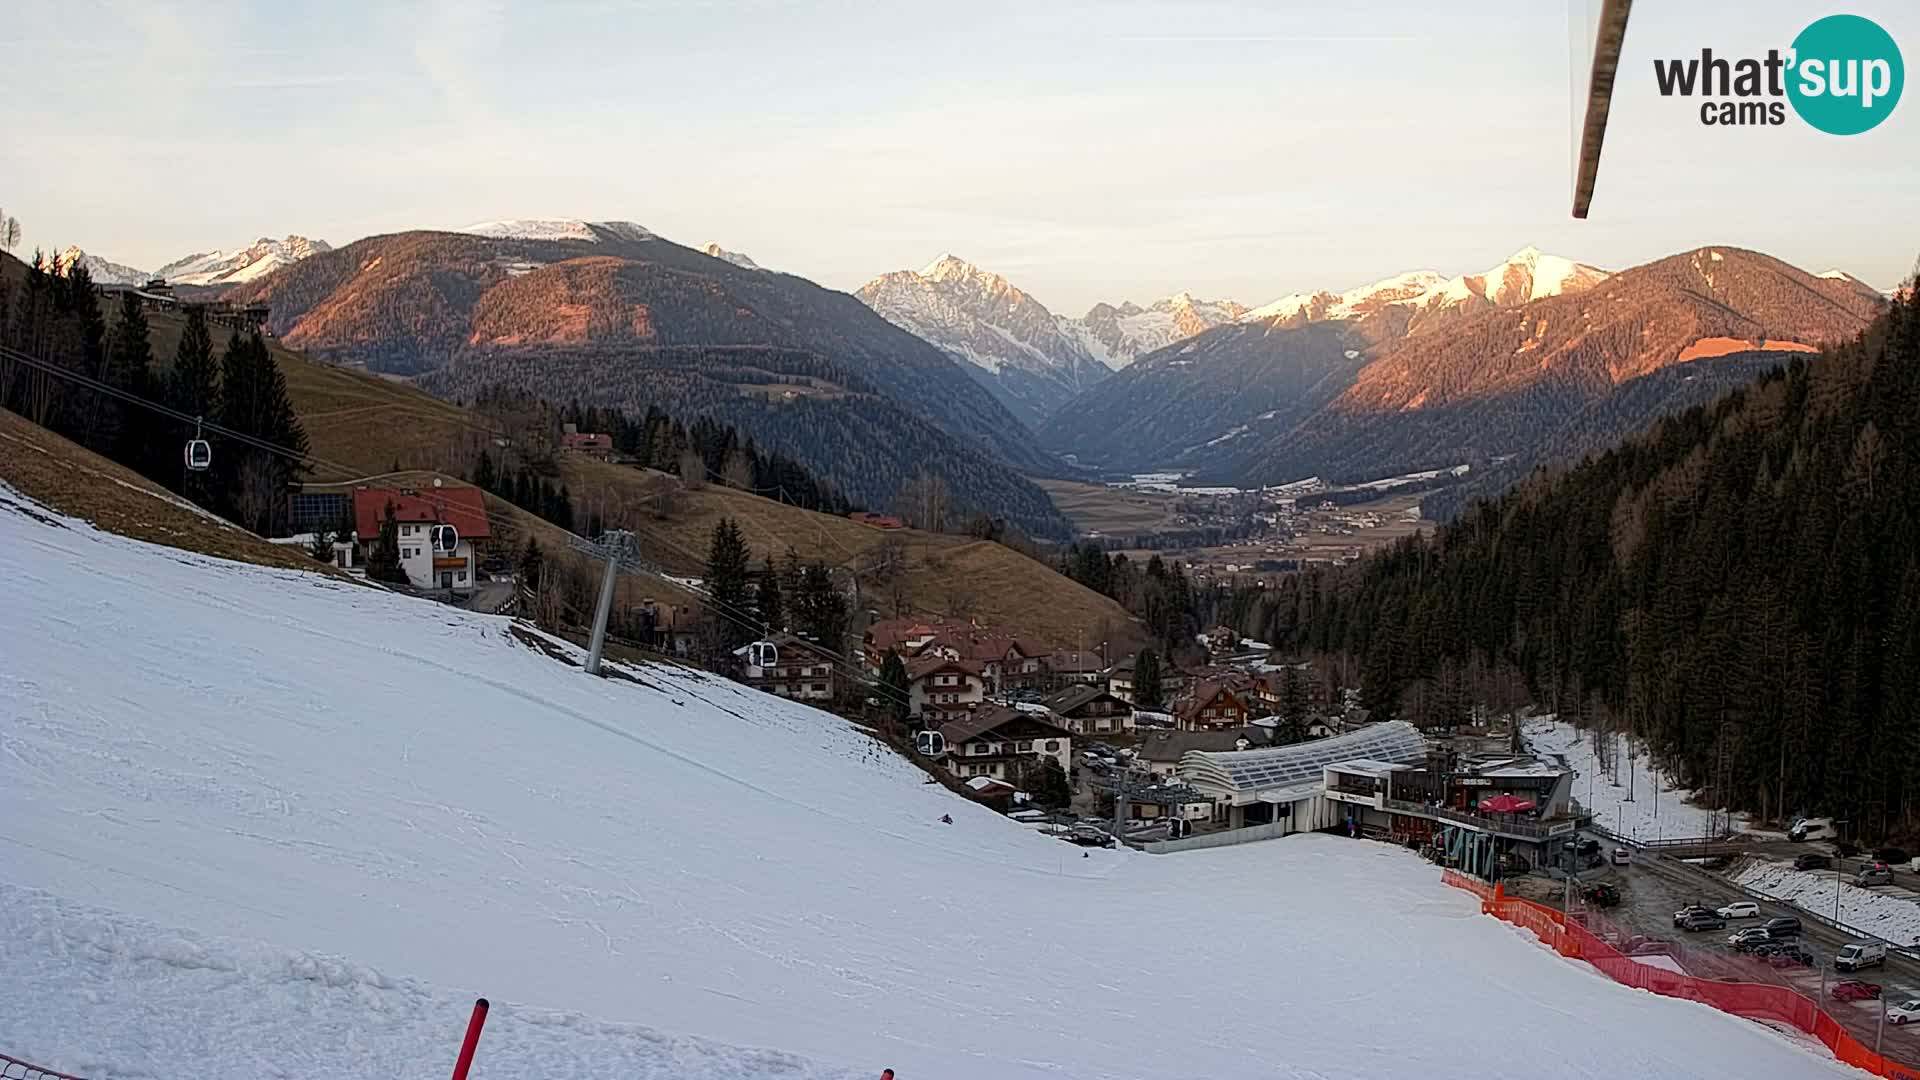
[[256, 823]]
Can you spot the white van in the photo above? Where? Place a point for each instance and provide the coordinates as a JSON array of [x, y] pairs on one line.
[[1812, 828], [1861, 954]]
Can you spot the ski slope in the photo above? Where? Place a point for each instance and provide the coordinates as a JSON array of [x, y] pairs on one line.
[[259, 823]]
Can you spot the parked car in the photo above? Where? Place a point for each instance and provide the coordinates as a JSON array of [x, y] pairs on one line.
[[1784, 927], [1680, 917], [1877, 874], [1892, 855], [1789, 956], [1905, 1012], [1087, 834], [1746, 940], [1855, 990], [1621, 856], [1861, 954], [1703, 920], [1812, 860], [1740, 909], [1601, 895]]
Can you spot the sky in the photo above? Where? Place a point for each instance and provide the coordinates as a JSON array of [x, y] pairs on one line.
[[1088, 151]]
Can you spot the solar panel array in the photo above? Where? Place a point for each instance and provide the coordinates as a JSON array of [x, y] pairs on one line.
[[1284, 766]]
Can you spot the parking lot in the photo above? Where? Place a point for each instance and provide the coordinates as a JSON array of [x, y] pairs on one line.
[[1652, 889]]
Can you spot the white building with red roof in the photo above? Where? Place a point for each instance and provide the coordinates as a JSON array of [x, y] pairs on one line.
[[416, 514]]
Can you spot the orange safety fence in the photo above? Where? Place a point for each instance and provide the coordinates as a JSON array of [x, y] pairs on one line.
[[1752, 1000]]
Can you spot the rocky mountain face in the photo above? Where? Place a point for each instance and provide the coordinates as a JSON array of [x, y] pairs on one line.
[[1119, 335], [241, 265], [609, 313], [101, 270], [1474, 369]]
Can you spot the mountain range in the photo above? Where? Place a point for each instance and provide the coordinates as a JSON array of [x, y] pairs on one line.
[[1423, 371], [611, 314], [1033, 360], [216, 268]]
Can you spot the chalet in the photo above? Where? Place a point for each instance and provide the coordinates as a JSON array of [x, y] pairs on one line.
[[668, 628], [1006, 663], [1210, 705], [1078, 666], [1002, 743], [1120, 681], [416, 514], [588, 444], [940, 689], [799, 669], [1089, 710], [1161, 751]]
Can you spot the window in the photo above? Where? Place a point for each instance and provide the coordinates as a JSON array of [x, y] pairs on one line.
[[977, 748], [1053, 746], [1026, 746]]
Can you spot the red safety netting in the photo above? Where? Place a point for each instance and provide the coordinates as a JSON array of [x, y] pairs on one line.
[[1761, 1001]]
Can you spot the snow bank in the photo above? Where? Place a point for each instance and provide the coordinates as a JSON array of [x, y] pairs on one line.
[[257, 822], [1893, 918], [1646, 817]]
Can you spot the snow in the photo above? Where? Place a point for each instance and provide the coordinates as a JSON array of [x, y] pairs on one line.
[[734, 257], [1836, 275], [557, 229], [294, 827], [1892, 917], [1606, 797], [1527, 274], [231, 267], [1663, 962]]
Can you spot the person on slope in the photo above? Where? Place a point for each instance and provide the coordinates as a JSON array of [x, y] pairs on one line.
[[946, 819]]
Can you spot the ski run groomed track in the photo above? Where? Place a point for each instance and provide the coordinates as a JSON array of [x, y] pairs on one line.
[[258, 823]]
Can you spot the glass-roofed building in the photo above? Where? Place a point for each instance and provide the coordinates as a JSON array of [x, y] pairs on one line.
[[1288, 783]]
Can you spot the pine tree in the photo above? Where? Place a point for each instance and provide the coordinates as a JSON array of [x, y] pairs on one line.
[[532, 564], [1147, 690], [769, 603], [1293, 706], [254, 401], [726, 581], [383, 562], [820, 609], [193, 387], [1047, 785], [130, 368], [483, 475], [896, 687]]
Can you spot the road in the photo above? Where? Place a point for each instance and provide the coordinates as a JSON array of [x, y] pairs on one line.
[[1653, 888]]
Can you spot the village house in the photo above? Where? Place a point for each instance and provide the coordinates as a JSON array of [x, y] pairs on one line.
[[1089, 710], [1210, 705], [416, 515], [589, 444], [1005, 662], [798, 669], [940, 689], [1002, 743], [1082, 666], [1160, 751], [1120, 680], [668, 628]]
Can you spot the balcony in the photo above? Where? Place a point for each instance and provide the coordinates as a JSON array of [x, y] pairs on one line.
[[1508, 825]]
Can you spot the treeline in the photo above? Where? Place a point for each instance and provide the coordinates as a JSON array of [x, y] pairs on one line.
[[1740, 587], [864, 447], [55, 318], [1161, 595]]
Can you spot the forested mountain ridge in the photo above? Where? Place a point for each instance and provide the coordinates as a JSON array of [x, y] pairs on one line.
[[1740, 586], [1431, 385], [598, 312]]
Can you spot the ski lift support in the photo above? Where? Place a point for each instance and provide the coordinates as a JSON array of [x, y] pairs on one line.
[[618, 549]]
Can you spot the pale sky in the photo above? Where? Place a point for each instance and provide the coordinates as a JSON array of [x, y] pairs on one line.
[[1088, 151]]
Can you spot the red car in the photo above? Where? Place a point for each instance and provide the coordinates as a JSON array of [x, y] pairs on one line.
[[1855, 990]]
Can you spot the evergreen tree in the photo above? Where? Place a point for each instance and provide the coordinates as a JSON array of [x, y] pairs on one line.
[[726, 581], [138, 442], [383, 562], [483, 474], [1047, 785], [532, 564], [1147, 690], [896, 688], [769, 603], [820, 610], [193, 387], [254, 401], [1293, 706]]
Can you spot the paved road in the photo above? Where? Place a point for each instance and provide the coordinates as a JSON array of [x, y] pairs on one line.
[[1652, 889]]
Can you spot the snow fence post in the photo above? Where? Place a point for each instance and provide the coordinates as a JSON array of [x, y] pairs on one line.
[[465, 1061]]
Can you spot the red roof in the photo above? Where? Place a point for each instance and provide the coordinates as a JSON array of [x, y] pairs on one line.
[[582, 440], [464, 508]]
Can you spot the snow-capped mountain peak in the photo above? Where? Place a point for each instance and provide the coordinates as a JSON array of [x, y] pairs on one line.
[[558, 229], [734, 257], [231, 267], [1527, 274], [101, 270]]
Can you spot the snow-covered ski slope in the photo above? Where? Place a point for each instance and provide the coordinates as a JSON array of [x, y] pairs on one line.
[[259, 823]]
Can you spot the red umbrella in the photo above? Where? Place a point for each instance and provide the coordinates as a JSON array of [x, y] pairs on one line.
[[1506, 804]]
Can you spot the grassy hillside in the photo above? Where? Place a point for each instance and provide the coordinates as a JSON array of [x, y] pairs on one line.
[[360, 425], [66, 476]]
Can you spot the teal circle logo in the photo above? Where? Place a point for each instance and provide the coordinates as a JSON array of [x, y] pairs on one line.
[[1846, 75]]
